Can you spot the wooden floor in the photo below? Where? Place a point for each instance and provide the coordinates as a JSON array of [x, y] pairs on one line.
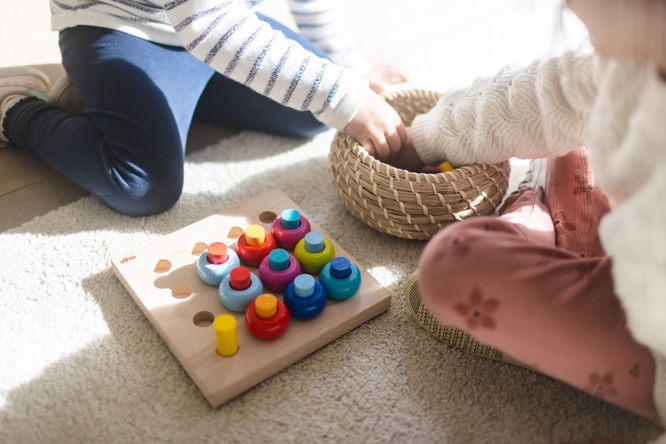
[[29, 187]]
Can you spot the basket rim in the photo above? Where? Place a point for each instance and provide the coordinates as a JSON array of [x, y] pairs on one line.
[[409, 204], [388, 170]]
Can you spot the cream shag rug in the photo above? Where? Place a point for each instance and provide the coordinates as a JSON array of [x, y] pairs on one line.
[[79, 362]]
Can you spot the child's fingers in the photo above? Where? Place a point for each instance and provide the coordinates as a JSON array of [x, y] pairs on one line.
[[384, 146], [404, 133], [381, 148], [394, 142], [369, 147]]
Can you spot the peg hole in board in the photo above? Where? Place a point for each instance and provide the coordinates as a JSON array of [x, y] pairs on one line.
[[163, 266], [235, 232], [181, 292], [267, 217], [199, 248], [203, 319]]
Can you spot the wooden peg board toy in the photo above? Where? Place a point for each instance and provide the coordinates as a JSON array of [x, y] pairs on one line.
[[162, 279]]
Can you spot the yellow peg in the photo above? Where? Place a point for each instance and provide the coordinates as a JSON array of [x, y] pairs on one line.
[[255, 235], [226, 335], [445, 166]]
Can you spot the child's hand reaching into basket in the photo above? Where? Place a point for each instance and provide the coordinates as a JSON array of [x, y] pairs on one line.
[[407, 158], [378, 128]]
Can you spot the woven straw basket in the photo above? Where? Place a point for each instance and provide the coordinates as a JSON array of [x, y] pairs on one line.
[[407, 204]]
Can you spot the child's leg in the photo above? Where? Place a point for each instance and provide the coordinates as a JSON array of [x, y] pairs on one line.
[[128, 146], [504, 281], [17, 85], [576, 204], [229, 103]]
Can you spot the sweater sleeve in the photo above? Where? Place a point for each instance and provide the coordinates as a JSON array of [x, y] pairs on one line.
[[527, 112], [229, 37], [321, 22]]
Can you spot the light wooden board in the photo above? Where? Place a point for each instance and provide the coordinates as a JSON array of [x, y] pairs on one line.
[[163, 281]]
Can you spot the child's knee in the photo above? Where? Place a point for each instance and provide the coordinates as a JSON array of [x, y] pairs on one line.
[[456, 261], [451, 248], [145, 196], [144, 205]]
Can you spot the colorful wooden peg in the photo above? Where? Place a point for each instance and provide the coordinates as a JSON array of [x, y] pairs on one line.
[[239, 289], [441, 168], [313, 252], [254, 245], [216, 262], [267, 317], [445, 166], [340, 278], [278, 269], [289, 228], [305, 297], [226, 335]]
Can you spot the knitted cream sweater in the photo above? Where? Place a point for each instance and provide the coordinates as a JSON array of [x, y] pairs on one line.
[[615, 108]]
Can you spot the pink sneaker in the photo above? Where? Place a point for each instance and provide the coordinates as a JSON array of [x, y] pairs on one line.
[[17, 83]]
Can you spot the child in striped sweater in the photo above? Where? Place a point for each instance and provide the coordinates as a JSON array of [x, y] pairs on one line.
[[144, 68]]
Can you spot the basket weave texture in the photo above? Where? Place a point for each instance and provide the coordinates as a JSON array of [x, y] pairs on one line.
[[406, 204]]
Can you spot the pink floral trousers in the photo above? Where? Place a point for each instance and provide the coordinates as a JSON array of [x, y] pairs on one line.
[[536, 284]]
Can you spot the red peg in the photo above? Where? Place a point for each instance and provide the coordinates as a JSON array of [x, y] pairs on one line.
[[239, 278], [217, 253]]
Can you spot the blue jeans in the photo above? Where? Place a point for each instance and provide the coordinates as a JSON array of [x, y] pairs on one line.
[[140, 98]]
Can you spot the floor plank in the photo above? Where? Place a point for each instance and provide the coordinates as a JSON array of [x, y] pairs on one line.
[[49, 192]]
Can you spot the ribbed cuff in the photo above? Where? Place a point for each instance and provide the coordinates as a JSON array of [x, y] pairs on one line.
[[420, 130], [341, 113], [7, 113]]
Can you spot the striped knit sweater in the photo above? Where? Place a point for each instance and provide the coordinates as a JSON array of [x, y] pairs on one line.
[[228, 36]]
